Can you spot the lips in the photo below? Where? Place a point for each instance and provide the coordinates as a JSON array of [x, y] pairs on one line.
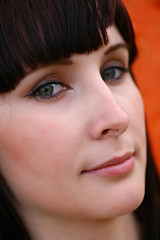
[[116, 166]]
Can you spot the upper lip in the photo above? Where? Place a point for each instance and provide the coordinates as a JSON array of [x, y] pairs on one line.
[[113, 161]]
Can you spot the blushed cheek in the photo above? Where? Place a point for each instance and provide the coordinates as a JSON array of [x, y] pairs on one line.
[[36, 146], [36, 157], [26, 161]]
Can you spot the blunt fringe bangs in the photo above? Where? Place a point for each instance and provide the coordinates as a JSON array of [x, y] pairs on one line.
[[38, 32]]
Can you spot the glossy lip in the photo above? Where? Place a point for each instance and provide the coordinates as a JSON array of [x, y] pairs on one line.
[[114, 167]]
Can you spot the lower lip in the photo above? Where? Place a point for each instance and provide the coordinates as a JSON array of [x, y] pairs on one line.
[[115, 170]]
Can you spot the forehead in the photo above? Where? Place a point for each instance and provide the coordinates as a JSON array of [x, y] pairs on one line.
[[114, 35]]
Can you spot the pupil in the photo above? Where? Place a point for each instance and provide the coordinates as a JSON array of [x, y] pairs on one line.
[[46, 90], [109, 74]]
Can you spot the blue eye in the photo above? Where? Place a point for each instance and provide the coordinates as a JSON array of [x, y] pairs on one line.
[[49, 90], [113, 73]]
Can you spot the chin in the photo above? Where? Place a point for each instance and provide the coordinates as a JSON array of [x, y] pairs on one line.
[[124, 199], [129, 201]]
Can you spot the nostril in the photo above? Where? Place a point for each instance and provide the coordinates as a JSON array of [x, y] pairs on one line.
[[105, 131], [113, 132]]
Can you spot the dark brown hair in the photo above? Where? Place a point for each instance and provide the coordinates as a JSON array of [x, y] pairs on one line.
[[40, 32]]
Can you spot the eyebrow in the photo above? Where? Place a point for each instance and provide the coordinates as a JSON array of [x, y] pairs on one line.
[[115, 47], [61, 61], [64, 61]]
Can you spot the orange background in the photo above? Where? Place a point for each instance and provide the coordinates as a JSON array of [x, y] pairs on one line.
[[145, 15]]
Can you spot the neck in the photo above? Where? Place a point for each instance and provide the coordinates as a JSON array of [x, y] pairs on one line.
[[119, 228]]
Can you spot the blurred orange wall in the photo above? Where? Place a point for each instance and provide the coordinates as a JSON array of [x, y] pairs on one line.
[[145, 15]]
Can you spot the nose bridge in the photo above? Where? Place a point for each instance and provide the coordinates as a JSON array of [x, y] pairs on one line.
[[107, 114]]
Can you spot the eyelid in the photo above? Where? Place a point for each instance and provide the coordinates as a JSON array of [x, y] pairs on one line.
[[123, 69], [120, 57], [43, 81], [115, 63]]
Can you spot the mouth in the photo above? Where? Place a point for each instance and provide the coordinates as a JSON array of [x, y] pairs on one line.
[[115, 167]]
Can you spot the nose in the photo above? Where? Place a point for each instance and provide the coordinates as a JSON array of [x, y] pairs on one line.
[[108, 116]]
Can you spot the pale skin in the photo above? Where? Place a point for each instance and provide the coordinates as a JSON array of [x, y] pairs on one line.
[[48, 144]]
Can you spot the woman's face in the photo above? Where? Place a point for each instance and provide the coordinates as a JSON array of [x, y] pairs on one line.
[[72, 136]]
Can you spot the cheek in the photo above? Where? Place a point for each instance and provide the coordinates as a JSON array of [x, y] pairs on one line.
[[33, 140], [35, 145], [133, 105], [138, 117], [137, 130], [37, 156]]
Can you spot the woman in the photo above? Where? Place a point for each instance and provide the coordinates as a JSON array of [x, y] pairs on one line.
[[72, 133]]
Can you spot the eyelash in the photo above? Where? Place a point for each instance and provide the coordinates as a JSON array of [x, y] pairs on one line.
[[50, 86]]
